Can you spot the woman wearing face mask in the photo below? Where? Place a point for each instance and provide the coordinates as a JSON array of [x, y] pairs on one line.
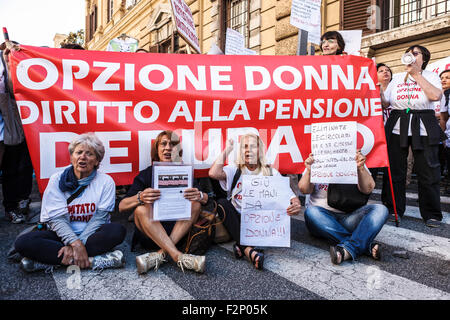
[[412, 122], [332, 43], [250, 161]]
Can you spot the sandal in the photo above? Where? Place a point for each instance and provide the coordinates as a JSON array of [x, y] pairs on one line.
[[258, 258], [334, 250], [238, 251], [377, 255]]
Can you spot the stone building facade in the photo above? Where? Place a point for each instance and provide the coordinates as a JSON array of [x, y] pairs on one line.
[[389, 26]]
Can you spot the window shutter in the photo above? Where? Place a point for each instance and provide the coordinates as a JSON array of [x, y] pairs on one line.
[[355, 14]]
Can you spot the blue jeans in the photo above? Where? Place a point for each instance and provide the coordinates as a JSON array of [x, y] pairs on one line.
[[354, 231]]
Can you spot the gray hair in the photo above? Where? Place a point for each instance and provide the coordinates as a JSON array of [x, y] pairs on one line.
[[92, 141]]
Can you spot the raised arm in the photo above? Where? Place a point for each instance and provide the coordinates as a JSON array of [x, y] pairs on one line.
[[305, 185], [216, 170], [432, 93], [366, 184]]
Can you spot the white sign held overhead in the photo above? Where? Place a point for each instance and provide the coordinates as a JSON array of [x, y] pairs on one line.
[[184, 23], [439, 66], [305, 15], [235, 44], [333, 145], [352, 40]]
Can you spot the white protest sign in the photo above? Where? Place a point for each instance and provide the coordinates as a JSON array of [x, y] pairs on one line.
[[235, 44], [314, 37], [352, 40], [333, 145], [184, 23], [305, 15], [264, 220], [439, 66]]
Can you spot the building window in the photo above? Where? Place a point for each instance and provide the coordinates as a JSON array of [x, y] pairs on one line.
[[110, 9], [92, 24], [404, 12], [238, 12]]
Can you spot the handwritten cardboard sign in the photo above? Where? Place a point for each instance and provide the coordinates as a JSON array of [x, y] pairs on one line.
[[264, 221], [305, 15], [333, 145]]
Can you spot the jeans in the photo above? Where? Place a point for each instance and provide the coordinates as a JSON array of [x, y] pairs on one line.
[[353, 231]]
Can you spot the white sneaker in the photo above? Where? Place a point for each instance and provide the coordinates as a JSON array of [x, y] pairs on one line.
[[15, 217], [149, 260], [192, 262], [113, 259]]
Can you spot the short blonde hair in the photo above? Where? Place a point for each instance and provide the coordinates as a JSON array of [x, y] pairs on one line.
[[92, 141]]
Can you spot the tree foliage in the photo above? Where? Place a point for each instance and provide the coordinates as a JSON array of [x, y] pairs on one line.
[[75, 37]]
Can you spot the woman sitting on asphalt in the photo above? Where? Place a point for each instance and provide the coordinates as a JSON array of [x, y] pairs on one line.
[[352, 233], [162, 236], [250, 161], [76, 208]]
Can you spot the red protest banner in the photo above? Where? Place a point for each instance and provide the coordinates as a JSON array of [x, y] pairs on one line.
[[128, 98]]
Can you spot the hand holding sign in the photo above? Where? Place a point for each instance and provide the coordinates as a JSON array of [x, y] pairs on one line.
[[264, 221], [294, 208], [334, 147]]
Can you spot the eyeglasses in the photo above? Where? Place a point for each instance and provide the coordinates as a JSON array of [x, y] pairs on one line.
[[171, 143], [330, 41]]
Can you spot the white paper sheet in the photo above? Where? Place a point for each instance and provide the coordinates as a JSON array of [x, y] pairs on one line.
[[172, 180]]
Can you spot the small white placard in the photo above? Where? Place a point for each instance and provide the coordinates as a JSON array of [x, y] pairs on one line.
[[352, 40], [235, 44], [264, 220], [333, 145], [171, 180], [305, 15]]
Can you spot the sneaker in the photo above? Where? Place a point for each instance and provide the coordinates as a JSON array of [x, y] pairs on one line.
[[24, 207], [149, 260], [192, 262], [433, 223], [113, 259], [29, 265], [15, 217]]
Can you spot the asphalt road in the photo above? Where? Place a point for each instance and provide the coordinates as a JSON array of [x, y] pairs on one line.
[[302, 272]]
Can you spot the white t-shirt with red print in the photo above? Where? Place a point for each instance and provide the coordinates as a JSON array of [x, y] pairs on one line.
[[403, 95], [100, 194]]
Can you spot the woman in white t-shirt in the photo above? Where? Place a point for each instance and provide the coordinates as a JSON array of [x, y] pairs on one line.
[[412, 122], [75, 215], [250, 161], [352, 233]]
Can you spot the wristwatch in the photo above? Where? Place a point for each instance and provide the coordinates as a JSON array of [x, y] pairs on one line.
[[139, 198]]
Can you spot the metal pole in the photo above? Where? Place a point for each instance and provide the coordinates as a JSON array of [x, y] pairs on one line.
[[302, 45]]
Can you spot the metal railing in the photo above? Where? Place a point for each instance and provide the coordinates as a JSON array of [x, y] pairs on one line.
[[404, 12]]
